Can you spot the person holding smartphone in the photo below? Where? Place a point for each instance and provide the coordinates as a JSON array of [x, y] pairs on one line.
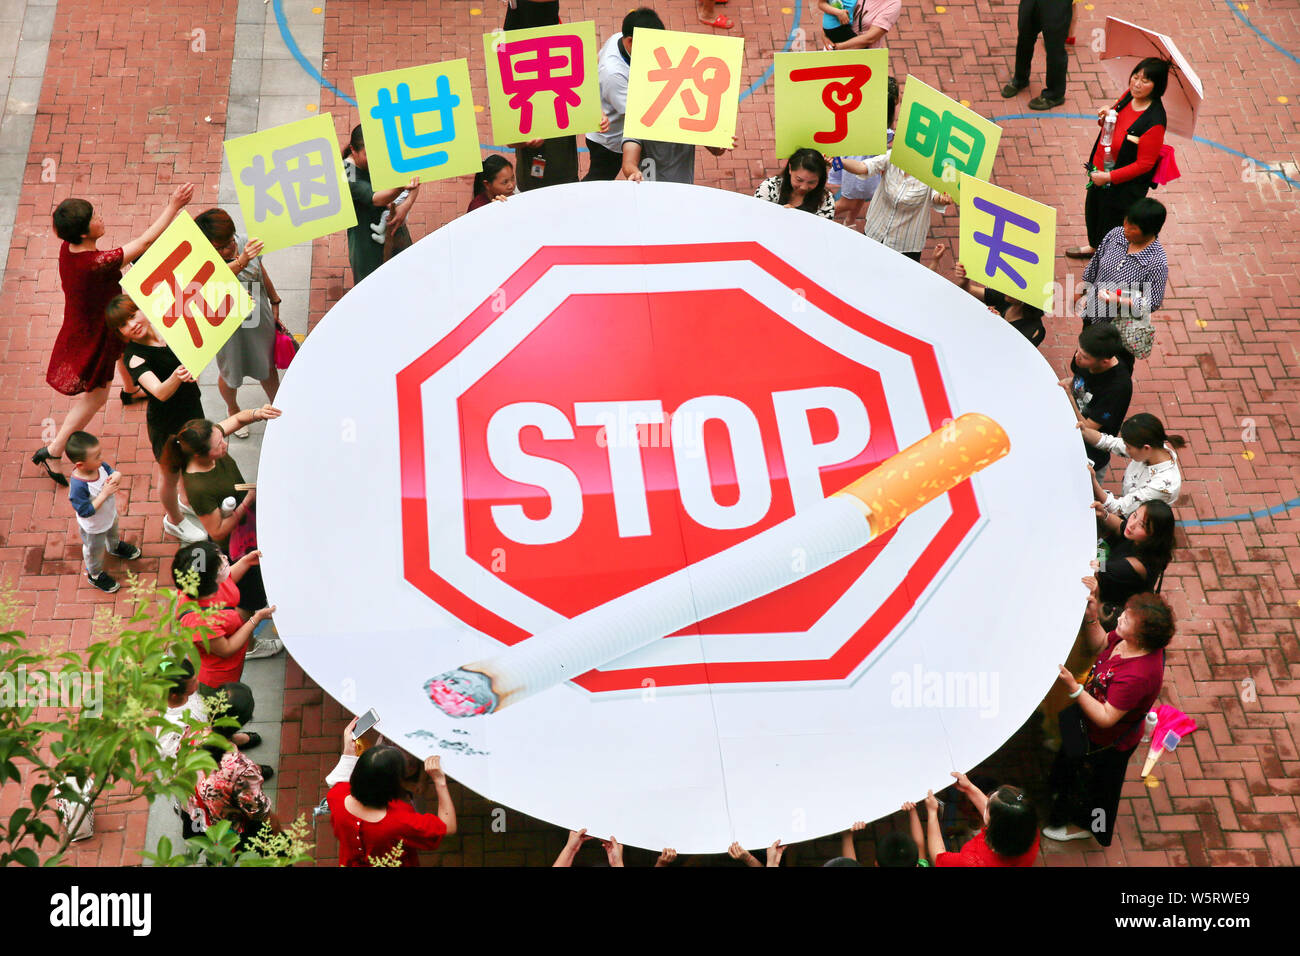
[[367, 810]]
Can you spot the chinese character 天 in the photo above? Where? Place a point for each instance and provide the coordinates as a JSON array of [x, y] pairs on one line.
[[998, 245]]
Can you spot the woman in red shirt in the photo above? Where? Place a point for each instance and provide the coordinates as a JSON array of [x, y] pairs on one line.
[[1100, 731], [84, 354], [223, 633], [368, 811], [1009, 836], [1121, 177]]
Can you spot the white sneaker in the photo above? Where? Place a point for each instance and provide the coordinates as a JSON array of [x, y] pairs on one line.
[[1062, 834], [188, 533], [186, 509], [268, 647]]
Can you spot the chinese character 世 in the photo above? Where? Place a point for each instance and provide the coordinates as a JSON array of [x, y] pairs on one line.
[[674, 76], [949, 139], [405, 109], [522, 76], [997, 245], [304, 172], [841, 98], [187, 297]]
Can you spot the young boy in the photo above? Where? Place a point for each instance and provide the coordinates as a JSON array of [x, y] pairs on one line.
[[92, 492]]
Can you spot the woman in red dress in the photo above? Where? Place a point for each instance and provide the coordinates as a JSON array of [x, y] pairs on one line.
[[367, 810], [85, 353]]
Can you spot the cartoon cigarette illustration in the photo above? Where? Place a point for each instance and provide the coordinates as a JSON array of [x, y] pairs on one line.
[[835, 528]]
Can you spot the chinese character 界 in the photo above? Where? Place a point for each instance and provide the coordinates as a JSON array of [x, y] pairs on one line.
[[997, 245], [949, 139], [187, 295], [841, 98], [406, 109], [674, 76], [304, 172], [521, 77]]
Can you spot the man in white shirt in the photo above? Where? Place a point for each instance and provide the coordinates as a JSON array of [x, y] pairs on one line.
[[613, 66]]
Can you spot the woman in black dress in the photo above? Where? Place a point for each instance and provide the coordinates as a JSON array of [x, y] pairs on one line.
[[174, 399]]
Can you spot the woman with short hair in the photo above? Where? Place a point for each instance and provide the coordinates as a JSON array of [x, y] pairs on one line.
[[1104, 725]]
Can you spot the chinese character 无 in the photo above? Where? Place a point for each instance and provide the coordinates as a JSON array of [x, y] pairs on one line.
[[404, 109], [841, 97], [712, 86], [997, 245], [187, 297], [523, 76], [949, 139], [304, 172]]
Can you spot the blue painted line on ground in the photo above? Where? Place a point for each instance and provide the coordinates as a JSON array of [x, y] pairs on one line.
[[1248, 516], [292, 45], [1260, 33]]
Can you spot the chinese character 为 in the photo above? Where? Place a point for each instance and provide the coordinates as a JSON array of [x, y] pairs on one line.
[[841, 98], [674, 76], [522, 76], [187, 297], [949, 139], [304, 172], [997, 245], [406, 109]]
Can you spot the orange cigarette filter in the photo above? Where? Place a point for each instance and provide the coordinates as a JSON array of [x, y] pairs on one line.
[[932, 467]]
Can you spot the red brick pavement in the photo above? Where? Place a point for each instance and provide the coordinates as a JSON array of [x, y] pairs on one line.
[[1227, 347]]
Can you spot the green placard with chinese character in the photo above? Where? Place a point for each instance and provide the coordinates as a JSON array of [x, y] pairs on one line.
[[937, 139], [291, 183]]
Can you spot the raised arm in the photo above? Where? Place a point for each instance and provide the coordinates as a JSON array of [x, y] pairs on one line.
[[137, 247], [446, 809]]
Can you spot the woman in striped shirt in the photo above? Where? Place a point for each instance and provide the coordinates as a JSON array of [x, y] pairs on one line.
[[1125, 281]]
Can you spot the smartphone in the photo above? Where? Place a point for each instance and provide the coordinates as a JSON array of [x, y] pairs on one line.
[[364, 723]]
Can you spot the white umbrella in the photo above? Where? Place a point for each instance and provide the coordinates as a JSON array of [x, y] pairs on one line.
[[1127, 43]]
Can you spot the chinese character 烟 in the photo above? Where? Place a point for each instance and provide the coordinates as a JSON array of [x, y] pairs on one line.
[[304, 172], [673, 77], [523, 76]]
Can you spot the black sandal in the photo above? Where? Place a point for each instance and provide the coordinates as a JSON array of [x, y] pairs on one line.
[[254, 740], [43, 457], [131, 398]]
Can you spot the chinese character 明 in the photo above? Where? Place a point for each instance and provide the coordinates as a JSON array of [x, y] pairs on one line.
[[405, 109], [997, 245], [304, 172], [841, 97], [187, 298], [522, 76], [949, 139], [689, 69]]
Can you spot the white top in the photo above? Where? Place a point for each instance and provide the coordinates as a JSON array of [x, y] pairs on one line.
[[169, 742], [613, 71], [342, 771], [899, 214], [1162, 481]]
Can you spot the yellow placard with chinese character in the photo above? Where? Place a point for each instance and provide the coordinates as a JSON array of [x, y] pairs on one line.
[[542, 83], [833, 102], [684, 87], [291, 183], [937, 139], [419, 122], [1008, 242], [190, 295]]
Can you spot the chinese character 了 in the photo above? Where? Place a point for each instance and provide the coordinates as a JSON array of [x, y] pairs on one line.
[[841, 97]]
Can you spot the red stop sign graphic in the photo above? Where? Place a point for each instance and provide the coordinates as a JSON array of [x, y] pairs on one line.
[[631, 433]]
